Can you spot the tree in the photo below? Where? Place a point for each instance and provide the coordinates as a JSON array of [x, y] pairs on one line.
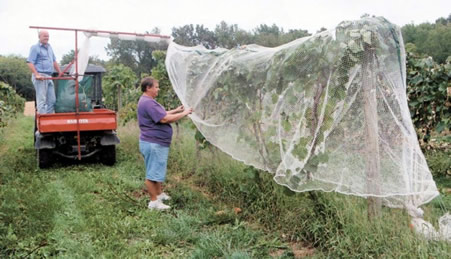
[[430, 39], [167, 96], [409, 33], [118, 83], [321, 29], [69, 57], [190, 35], [136, 55], [230, 36], [273, 36], [443, 21], [439, 43], [295, 34], [15, 72], [268, 36]]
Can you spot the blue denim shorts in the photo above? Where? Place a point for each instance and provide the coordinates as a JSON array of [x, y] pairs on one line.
[[155, 159]]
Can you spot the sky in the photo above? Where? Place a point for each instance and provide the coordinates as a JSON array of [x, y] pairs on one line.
[[143, 15]]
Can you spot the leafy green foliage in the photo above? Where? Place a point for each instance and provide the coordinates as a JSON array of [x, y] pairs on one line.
[[167, 96], [299, 87], [69, 57], [430, 39], [428, 89], [15, 72], [440, 162], [137, 55], [427, 84], [190, 35], [119, 87], [10, 103], [231, 36], [273, 36]]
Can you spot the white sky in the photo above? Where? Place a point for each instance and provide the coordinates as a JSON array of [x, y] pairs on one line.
[[143, 15]]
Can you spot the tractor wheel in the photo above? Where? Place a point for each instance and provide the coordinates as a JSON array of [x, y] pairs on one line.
[[108, 155], [44, 158]]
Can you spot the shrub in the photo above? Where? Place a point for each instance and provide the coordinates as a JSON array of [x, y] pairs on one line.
[[428, 93], [10, 103]]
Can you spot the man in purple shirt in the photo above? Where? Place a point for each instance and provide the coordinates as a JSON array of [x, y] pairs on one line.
[[155, 139], [41, 62]]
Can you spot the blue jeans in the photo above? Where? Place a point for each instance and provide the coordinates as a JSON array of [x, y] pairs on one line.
[[155, 159], [45, 95]]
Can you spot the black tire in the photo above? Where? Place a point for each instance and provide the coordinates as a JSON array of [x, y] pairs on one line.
[[34, 130], [44, 158], [108, 155]]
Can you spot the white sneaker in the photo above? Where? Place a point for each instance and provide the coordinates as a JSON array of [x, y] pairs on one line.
[[157, 205], [163, 197]]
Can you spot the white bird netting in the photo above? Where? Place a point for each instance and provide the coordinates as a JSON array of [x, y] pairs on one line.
[[326, 112]]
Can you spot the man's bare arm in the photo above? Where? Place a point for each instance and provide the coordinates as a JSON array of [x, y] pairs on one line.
[[57, 68], [176, 110], [34, 71], [169, 118]]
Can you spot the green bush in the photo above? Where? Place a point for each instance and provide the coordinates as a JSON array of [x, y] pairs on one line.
[[10, 103], [439, 162], [427, 89], [14, 71], [119, 87], [167, 96]]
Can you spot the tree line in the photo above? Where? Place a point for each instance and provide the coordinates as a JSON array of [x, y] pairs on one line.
[[429, 39]]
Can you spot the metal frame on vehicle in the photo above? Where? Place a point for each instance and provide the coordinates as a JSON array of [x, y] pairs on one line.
[[99, 120]]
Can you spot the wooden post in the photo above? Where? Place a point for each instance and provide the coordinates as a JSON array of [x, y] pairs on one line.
[[372, 134], [119, 98]]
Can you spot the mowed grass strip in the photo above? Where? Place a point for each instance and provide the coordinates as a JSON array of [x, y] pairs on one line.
[[90, 210]]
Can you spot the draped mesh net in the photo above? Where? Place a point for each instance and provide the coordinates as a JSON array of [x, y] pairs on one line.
[[326, 112]]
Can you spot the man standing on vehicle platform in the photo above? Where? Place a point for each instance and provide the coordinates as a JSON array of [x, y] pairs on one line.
[[42, 62]]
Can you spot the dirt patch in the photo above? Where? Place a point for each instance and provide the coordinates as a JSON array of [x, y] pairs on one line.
[[299, 250], [29, 109], [302, 250], [139, 194]]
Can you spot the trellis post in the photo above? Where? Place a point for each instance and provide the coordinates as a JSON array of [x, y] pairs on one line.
[[372, 157]]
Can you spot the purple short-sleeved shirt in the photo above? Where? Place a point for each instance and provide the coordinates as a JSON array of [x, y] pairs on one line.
[[150, 112]]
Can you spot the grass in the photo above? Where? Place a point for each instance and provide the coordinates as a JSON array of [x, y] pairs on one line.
[[89, 210], [220, 208]]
